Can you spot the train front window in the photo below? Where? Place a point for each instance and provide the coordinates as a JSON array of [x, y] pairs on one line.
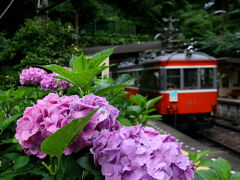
[[173, 78], [150, 79], [190, 79], [206, 78]]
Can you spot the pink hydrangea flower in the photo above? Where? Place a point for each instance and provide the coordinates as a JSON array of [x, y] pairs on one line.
[[32, 76], [53, 112], [49, 83], [140, 153]]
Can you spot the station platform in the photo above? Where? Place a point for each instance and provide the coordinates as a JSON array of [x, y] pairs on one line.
[[191, 145]]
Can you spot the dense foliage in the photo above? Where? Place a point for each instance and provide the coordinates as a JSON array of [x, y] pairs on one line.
[[35, 43]]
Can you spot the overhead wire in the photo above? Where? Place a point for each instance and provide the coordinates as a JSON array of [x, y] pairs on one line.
[[9, 5]]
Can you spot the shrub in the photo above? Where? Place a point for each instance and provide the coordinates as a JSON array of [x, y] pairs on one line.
[[35, 43]]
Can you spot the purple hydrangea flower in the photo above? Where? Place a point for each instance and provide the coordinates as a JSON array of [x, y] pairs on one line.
[[53, 112], [32, 76], [49, 83], [140, 153]]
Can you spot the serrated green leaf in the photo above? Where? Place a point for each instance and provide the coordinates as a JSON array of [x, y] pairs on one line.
[[56, 143], [222, 167], [100, 91], [148, 111], [125, 79], [78, 78], [99, 57], [205, 163], [207, 175], [136, 110], [72, 60], [139, 100], [21, 161], [201, 155], [155, 117], [80, 64], [235, 176], [8, 121], [193, 156], [197, 176], [125, 122], [151, 102]]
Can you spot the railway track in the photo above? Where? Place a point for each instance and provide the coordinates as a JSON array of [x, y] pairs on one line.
[[224, 133]]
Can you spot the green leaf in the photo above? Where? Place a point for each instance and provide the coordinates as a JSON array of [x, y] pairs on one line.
[[139, 100], [207, 175], [21, 161], [56, 143], [125, 79], [193, 156], [23, 170], [201, 155], [2, 114], [148, 111], [222, 167], [7, 141], [205, 163], [7, 122], [155, 117], [124, 121], [72, 60], [151, 102], [69, 169], [99, 57], [197, 176], [136, 110], [100, 90], [78, 78], [11, 156], [80, 64], [235, 176], [86, 162]]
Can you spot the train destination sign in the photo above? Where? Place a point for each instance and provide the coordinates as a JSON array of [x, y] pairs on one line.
[[173, 96]]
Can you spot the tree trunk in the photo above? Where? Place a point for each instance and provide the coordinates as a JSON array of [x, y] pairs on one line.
[[76, 25]]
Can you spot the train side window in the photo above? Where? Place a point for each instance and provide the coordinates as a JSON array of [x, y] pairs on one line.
[[206, 76], [190, 79], [150, 79], [173, 78]]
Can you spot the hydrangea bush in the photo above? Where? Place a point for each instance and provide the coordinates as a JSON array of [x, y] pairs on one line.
[[32, 76], [37, 76], [53, 112], [140, 153]]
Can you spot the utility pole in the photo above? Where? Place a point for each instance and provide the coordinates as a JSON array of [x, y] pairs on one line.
[[170, 37], [41, 5]]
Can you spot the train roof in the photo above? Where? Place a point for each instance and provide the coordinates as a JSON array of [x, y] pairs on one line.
[[184, 56]]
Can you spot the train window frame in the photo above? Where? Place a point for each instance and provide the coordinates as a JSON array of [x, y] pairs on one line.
[[143, 86], [171, 86], [196, 86], [211, 77]]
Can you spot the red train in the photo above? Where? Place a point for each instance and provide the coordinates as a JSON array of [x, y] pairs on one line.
[[187, 83]]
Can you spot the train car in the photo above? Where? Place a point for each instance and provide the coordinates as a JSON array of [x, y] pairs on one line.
[[187, 83]]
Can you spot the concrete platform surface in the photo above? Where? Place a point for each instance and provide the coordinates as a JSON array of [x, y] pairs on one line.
[[191, 145]]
